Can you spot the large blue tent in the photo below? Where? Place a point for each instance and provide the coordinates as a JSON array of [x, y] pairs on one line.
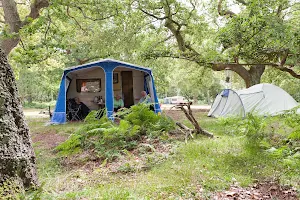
[[107, 66]]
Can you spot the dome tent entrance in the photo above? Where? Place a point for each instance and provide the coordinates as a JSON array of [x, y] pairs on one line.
[[109, 77], [262, 99], [227, 103]]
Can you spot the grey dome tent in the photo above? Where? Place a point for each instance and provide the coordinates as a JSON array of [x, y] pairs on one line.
[[261, 99], [266, 99], [227, 103]]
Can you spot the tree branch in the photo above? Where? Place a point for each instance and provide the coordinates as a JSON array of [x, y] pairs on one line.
[[152, 15], [12, 19], [285, 55], [224, 12], [35, 9], [78, 24], [93, 19], [289, 70], [242, 2]]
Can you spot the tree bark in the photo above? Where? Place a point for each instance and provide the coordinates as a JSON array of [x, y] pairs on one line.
[[255, 73], [12, 19], [17, 158], [189, 115]]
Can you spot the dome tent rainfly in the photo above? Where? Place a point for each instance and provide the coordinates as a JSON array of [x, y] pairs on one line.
[[261, 99], [266, 99], [107, 77]]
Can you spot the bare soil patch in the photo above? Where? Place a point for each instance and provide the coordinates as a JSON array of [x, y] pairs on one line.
[[48, 140], [259, 191]]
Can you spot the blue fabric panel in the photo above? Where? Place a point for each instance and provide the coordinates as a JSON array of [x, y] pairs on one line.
[[109, 90], [60, 104], [58, 118], [156, 103], [225, 93]]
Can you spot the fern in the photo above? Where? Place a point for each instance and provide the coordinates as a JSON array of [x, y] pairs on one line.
[[109, 140]]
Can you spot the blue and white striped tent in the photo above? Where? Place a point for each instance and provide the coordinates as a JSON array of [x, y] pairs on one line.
[[104, 70]]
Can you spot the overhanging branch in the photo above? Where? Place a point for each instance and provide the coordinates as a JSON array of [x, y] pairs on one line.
[[224, 12], [35, 9]]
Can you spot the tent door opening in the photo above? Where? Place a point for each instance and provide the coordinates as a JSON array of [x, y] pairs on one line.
[[127, 88]]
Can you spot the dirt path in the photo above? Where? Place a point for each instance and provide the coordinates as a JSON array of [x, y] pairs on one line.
[[35, 113]]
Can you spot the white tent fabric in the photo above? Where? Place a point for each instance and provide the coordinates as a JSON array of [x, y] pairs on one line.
[[227, 103], [266, 99], [261, 99]]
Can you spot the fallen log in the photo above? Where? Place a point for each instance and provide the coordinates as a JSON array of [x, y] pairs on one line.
[[189, 115]]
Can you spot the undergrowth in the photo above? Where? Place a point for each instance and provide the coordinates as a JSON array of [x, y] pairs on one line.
[[277, 137], [243, 152], [109, 140]]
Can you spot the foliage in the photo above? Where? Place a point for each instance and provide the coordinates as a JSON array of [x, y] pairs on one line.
[[277, 136], [109, 140], [62, 36]]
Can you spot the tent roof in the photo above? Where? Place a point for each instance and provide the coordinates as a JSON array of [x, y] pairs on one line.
[[259, 88], [107, 60]]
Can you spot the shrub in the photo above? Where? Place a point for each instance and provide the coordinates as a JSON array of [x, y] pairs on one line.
[[109, 139]]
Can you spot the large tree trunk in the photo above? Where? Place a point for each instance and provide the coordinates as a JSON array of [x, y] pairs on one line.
[[17, 158], [255, 73]]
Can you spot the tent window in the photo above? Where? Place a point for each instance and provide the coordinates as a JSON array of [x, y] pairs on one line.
[[88, 85]]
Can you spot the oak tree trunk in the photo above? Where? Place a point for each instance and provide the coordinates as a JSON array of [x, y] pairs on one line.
[[17, 158], [255, 73]]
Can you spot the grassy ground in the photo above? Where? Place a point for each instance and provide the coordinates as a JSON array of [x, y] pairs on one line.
[[195, 171]]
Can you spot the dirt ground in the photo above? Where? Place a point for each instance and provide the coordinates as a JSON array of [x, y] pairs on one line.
[[48, 140], [260, 191]]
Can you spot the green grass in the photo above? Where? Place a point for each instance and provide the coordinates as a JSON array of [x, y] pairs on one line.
[[39, 126], [197, 170], [39, 105]]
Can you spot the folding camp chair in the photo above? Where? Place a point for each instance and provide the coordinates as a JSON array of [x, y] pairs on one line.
[[73, 112], [100, 113]]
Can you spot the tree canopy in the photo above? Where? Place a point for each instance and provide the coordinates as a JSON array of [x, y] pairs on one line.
[[244, 36]]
